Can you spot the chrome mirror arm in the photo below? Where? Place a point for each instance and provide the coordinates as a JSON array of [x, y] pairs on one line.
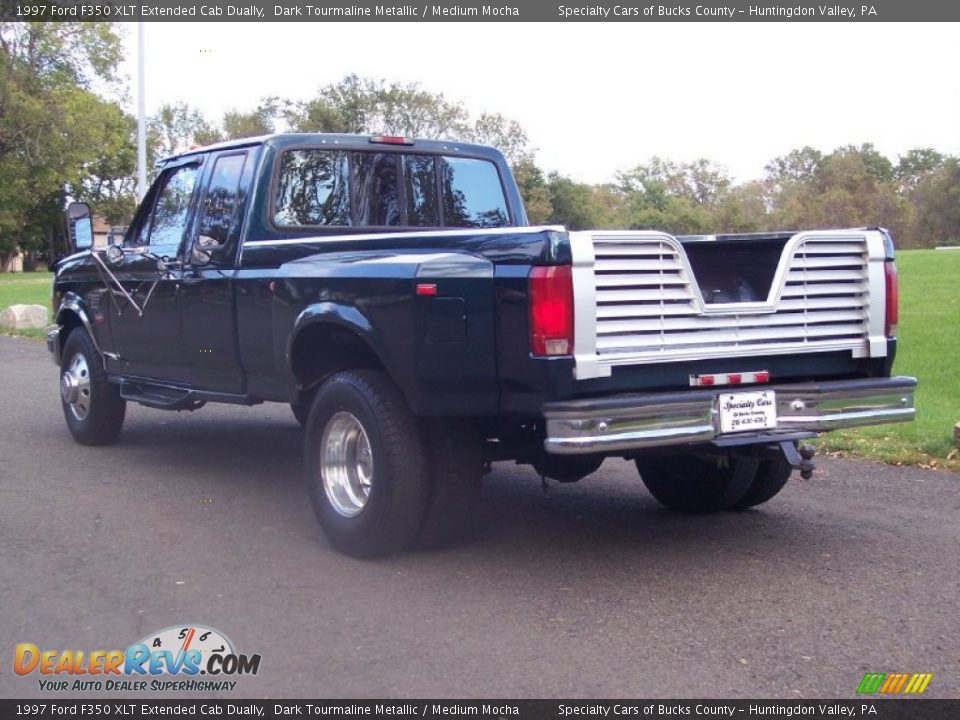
[[102, 267]]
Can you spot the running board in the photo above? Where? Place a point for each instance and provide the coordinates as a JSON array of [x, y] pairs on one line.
[[171, 397]]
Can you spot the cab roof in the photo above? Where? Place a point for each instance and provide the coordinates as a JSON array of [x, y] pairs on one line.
[[346, 142]]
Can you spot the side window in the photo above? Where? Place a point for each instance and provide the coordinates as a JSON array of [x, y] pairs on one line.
[[217, 213], [472, 193], [373, 183], [421, 186], [168, 221], [312, 189]]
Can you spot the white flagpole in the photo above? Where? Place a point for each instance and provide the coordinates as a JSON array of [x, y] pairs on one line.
[[141, 119]]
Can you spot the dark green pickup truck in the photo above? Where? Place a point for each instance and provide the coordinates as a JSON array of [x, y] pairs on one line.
[[392, 292]]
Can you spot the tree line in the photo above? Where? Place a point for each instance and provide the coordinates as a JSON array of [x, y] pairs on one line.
[[65, 134]]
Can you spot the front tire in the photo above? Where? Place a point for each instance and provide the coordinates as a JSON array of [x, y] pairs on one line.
[[92, 405], [367, 472], [698, 482]]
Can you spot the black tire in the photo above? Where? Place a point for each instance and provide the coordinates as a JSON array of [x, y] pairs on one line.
[[772, 475], [698, 483], [456, 465], [393, 509], [95, 413], [301, 409]]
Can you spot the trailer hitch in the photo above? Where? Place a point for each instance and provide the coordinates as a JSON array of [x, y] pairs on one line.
[[800, 458]]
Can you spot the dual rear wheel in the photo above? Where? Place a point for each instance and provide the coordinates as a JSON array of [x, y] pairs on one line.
[[710, 482], [379, 480]]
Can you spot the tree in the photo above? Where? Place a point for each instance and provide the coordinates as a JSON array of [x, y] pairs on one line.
[[49, 147], [571, 203], [797, 166], [376, 107], [534, 191], [177, 127], [915, 165], [364, 105], [936, 199], [676, 197], [849, 187], [262, 120], [743, 209], [502, 133]]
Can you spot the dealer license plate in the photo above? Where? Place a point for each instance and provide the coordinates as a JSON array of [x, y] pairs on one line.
[[741, 412]]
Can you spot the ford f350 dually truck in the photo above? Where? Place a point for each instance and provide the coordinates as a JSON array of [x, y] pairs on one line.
[[391, 291]]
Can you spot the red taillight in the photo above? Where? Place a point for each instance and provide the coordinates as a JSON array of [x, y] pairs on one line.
[[551, 310], [893, 299]]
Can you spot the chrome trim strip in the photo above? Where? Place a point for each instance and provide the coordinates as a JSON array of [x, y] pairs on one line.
[[587, 364], [612, 360], [452, 232], [876, 295]]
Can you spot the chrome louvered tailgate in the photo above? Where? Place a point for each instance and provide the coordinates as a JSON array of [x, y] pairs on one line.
[[637, 301]]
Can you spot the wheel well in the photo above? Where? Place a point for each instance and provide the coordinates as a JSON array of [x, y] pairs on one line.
[[322, 349], [69, 321]]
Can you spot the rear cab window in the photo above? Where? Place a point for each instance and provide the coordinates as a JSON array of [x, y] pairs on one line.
[[341, 188]]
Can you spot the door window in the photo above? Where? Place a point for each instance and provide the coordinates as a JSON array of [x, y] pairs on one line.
[[218, 212], [171, 211]]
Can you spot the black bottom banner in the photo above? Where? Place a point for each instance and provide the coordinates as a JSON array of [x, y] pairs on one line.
[[868, 708]]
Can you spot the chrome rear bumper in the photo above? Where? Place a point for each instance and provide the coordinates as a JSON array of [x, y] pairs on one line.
[[637, 421]]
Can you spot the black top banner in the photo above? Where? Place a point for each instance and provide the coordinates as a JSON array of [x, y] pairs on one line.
[[473, 11]]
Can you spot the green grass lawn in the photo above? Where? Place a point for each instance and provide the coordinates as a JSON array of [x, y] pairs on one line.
[[27, 288], [928, 348]]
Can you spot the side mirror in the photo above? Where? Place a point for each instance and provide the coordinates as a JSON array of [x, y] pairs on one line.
[[79, 226], [114, 255]]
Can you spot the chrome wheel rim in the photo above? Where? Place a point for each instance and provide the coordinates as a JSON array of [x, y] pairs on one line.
[[346, 464], [75, 386]]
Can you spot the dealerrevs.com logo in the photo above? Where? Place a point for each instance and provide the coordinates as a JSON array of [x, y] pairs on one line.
[[178, 658]]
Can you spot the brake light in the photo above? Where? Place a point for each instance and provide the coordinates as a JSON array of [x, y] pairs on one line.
[[551, 310], [390, 140], [893, 299], [740, 378]]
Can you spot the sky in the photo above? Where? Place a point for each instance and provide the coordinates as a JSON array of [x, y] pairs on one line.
[[596, 98]]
